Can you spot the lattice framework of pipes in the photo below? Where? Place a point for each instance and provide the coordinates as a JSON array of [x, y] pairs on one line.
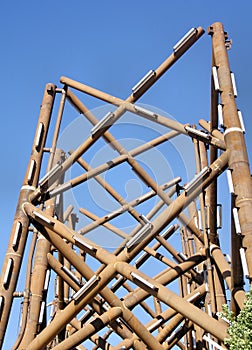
[[146, 270]]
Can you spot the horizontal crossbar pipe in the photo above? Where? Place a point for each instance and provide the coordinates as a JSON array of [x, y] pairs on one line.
[[91, 91]]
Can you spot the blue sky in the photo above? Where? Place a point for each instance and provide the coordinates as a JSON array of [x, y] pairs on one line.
[[109, 45]]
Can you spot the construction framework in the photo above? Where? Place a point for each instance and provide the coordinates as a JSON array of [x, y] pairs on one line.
[[150, 291]]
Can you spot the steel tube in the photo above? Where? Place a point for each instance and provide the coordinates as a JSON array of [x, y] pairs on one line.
[[139, 294], [86, 331], [74, 156], [37, 291], [215, 132], [158, 224], [182, 331], [125, 207], [172, 211], [225, 270], [72, 309], [118, 160], [237, 279], [30, 182], [165, 316], [177, 303], [209, 228], [57, 130], [234, 139], [96, 305], [132, 98], [26, 292]]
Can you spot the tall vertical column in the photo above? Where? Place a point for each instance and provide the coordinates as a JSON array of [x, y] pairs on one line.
[[234, 139], [39, 279], [212, 188], [18, 236]]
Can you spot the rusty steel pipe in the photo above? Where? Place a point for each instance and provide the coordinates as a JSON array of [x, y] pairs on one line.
[[234, 139], [74, 156], [68, 236], [139, 294], [212, 189], [26, 292], [225, 270], [94, 326], [56, 130], [124, 207], [116, 161], [158, 224], [209, 228], [71, 309], [237, 280], [20, 226], [158, 73], [96, 305], [39, 272], [84, 296], [215, 132], [173, 300]]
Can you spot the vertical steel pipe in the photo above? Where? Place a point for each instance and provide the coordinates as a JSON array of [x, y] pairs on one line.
[[20, 226], [38, 290], [234, 139]]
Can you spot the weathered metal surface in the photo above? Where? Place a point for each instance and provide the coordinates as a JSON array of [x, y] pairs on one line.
[[150, 287]]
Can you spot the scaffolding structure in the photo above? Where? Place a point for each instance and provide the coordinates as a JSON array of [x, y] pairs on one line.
[[146, 290]]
